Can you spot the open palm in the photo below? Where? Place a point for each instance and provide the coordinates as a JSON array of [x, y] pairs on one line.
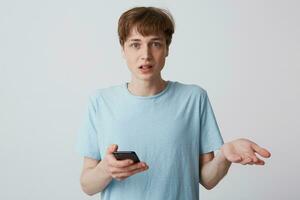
[[244, 151]]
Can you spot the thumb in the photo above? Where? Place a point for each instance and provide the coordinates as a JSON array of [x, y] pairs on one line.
[[112, 148]]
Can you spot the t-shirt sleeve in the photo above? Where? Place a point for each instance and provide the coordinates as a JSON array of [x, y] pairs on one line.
[[210, 136], [87, 137]]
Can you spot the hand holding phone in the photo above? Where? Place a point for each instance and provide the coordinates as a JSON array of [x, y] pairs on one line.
[[123, 155], [122, 164]]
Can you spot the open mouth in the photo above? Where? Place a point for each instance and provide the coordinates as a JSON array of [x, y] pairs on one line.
[[145, 67]]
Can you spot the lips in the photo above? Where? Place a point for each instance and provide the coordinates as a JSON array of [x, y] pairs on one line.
[[145, 66], [145, 69]]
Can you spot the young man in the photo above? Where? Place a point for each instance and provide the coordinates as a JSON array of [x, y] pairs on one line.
[[170, 125]]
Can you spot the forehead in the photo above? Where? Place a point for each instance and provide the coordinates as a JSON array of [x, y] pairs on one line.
[[135, 35]]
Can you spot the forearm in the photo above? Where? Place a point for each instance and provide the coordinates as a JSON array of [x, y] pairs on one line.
[[213, 171], [95, 180]]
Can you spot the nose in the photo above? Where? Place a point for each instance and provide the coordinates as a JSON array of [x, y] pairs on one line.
[[146, 53]]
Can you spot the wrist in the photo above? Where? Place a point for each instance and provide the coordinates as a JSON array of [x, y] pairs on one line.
[[103, 169], [221, 157]]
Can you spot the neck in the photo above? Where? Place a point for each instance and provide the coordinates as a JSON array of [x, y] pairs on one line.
[[146, 88]]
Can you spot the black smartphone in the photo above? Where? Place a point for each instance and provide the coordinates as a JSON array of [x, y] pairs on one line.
[[123, 155]]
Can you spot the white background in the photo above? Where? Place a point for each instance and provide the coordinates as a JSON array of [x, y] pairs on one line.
[[53, 54]]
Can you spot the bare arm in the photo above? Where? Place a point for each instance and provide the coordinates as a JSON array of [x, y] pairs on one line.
[[243, 151], [93, 178], [212, 169], [96, 175]]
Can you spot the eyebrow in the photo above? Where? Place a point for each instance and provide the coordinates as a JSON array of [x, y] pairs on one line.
[[152, 39]]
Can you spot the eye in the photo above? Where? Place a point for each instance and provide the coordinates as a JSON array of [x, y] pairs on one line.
[[135, 45], [156, 44]]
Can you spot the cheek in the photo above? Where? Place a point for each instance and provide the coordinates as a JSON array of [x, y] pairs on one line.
[[129, 58], [131, 61], [161, 55], [161, 58]]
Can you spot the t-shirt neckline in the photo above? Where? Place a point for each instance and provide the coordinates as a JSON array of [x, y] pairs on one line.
[[147, 97]]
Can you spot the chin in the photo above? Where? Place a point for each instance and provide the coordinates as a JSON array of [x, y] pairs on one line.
[[146, 77]]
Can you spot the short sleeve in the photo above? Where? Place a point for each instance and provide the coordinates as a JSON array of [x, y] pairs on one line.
[[210, 136], [87, 137]]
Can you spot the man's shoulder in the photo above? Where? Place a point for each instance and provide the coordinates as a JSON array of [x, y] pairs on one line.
[[106, 91], [190, 88]]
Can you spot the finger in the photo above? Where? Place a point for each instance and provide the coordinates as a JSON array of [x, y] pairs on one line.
[[251, 160], [112, 148], [113, 162], [252, 156], [129, 168], [261, 151], [246, 160], [259, 162], [135, 166], [127, 174]]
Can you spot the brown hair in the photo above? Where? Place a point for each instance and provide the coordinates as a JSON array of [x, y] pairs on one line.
[[148, 20]]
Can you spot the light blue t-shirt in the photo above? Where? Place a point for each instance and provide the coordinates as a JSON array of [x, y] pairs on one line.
[[168, 131]]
